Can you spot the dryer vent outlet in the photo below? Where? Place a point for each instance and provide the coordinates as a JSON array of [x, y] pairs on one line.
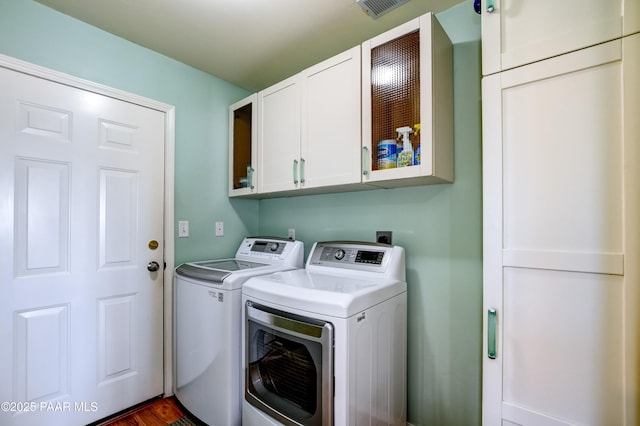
[[383, 237], [377, 8]]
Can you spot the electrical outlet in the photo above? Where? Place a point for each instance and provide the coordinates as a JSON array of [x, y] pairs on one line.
[[183, 228], [292, 234], [383, 237], [219, 229]]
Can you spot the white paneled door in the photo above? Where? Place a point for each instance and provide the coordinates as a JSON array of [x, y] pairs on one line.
[[81, 208], [561, 181]]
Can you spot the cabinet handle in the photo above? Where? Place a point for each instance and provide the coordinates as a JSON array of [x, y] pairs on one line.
[[490, 6], [365, 155], [491, 333], [295, 172], [302, 162], [250, 177]]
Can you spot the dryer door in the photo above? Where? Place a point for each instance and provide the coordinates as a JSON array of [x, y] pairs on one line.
[[289, 366]]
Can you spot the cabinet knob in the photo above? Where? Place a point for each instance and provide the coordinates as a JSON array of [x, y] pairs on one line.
[[250, 171], [490, 6], [295, 172], [491, 333], [365, 156]]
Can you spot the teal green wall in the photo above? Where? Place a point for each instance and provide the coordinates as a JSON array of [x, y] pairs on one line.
[[440, 226], [32, 32]]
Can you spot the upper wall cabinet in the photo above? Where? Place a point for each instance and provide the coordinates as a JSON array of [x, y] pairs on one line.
[[335, 126], [243, 150], [516, 32], [407, 105], [279, 133], [330, 150], [309, 128]]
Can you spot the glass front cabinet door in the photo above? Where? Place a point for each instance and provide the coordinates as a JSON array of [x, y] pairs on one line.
[[407, 105], [243, 146]]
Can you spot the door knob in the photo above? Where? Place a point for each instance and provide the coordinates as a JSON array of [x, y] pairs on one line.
[[153, 266]]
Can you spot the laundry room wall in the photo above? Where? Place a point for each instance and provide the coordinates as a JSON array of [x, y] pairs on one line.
[[440, 227], [34, 33]]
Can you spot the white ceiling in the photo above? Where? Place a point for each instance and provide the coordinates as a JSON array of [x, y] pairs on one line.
[[250, 43]]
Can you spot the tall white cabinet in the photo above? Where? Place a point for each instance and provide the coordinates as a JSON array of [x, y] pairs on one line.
[[561, 185], [517, 32]]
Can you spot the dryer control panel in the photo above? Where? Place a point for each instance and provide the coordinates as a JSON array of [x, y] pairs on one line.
[[351, 255], [357, 256]]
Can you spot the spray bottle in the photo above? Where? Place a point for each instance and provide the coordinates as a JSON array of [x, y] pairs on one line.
[[405, 158]]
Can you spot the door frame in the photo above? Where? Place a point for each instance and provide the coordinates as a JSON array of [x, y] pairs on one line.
[[24, 67]]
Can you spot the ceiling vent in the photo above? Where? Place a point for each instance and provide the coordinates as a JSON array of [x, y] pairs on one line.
[[376, 8]]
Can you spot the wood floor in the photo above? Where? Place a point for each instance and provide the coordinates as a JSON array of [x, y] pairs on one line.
[[160, 412]]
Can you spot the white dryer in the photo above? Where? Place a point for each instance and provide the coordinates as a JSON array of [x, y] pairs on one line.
[[327, 345], [207, 325]]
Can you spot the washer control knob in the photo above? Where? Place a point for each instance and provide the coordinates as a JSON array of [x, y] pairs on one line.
[[273, 246], [339, 254]]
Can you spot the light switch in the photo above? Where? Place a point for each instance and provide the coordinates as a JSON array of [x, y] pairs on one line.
[[183, 228], [219, 229]]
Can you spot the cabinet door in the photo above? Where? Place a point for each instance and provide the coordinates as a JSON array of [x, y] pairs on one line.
[[519, 32], [279, 134], [243, 150], [561, 187], [331, 138], [407, 77]]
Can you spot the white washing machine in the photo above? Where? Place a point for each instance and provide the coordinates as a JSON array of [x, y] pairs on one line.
[[207, 325], [327, 345]]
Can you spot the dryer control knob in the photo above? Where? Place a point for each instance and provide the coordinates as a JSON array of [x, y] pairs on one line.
[[339, 254], [273, 246]]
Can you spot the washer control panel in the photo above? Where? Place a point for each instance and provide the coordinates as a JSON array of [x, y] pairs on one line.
[[262, 246], [269, 249]]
